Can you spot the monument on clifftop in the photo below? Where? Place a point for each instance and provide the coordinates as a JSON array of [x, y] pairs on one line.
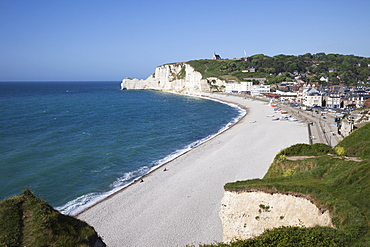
[[215, 56]]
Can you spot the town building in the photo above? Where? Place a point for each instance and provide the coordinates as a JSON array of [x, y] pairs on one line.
[[246, 87], [312, 97], [238, 87]]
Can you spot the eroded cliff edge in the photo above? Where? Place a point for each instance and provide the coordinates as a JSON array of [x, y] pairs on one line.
[[178, 78], [310, 192], [248, 214]]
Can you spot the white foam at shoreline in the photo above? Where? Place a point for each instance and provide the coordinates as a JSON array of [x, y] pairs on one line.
[[83, 202], [181, 207]]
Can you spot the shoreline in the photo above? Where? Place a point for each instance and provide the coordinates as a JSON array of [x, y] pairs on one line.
[[183, 202], [155, 168]]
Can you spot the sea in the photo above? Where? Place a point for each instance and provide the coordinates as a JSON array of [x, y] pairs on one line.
[[75, 143]]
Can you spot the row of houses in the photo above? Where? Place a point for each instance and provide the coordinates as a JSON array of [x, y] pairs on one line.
[[306, 94], [334, 96], [340, 96]]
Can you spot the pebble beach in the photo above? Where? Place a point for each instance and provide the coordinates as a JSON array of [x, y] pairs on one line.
[[178, 204]]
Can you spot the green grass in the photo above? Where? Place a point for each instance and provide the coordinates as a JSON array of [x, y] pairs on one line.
[[331, 182], [223, 69], [306, 150], [26, 220], [226, 69], [208, 68], [358, 144], [292, 236]]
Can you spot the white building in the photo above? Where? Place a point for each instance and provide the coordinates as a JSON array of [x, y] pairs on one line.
[[333, 101], [324, 78], [289, 97], [238, 87], [311, 97], [246, 87], [260, 89]]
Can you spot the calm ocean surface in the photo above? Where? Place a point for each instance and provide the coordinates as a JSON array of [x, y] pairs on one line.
[[74, 143]]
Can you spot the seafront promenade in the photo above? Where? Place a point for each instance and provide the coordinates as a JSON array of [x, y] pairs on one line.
[[178, 204], [321, 127]]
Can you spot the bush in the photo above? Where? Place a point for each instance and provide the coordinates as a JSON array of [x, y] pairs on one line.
[[339, 151], [303, 149]]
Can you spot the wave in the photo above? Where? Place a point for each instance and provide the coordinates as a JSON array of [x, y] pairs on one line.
[[83, 202]]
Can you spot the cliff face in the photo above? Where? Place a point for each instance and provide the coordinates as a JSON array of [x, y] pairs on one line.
[[356, 119], [179, 78], [248, 214]]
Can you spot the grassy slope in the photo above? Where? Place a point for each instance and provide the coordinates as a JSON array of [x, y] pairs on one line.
[[358, 143], [26, 220], [341, 186], [223, 69]]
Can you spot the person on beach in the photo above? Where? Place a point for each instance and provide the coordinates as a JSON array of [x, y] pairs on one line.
[[165, 169]]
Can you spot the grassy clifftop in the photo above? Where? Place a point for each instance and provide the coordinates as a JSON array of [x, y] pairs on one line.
[[328, 178], [26, 220]]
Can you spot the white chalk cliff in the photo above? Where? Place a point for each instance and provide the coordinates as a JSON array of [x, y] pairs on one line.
[[249, 214], [179, 78]]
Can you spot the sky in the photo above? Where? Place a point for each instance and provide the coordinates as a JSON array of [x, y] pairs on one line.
[[108, 40]]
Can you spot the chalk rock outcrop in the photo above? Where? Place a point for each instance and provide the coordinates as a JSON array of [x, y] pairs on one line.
[[356, 119], [179, 78], [249, 214]]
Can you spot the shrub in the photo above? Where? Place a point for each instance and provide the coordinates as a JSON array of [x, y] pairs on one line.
[[303, 149], [339, 151]]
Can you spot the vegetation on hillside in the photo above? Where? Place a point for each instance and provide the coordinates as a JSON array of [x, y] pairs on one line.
[[346, 69], [332, 182], [291, 236], [26, 220], [358, 145]]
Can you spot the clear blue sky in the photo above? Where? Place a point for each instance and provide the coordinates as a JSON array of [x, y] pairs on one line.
[[114, 39]]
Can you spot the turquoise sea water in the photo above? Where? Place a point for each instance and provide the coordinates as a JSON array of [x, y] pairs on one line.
[[74, 143]]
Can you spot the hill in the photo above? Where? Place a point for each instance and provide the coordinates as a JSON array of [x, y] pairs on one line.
[[26, 220], [329, 179], [346, 69]]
